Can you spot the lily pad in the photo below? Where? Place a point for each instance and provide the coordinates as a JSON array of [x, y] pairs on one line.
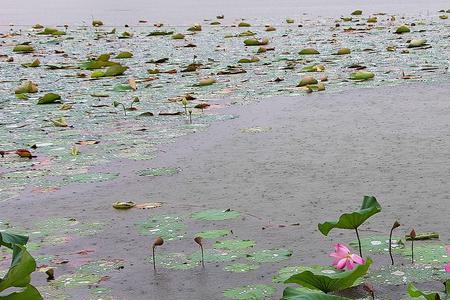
[[402, 29], [234, 244], [269, 256], [308, 51], [250, 292], [49, 98], [213, 234], [215, 215], [169, 227], [23, 48], [362, 75], [217, 255], [240, 268], [153, 172], [175, 261]]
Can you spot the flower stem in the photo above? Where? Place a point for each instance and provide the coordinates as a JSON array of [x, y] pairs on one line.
[[390, 246], [359, 242], [412, 251]]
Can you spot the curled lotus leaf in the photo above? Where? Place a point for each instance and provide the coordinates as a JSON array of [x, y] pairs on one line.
[[343, 51], [27, 86], [333, 282], [178, 36], [244, 24], [206, 82], [49, 98], [353, 220], [23, 48], [124, 54], [357, 12], [195, 27], [414, 43]]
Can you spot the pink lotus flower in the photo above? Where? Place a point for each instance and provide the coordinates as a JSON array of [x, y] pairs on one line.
[[447, 267], [343, 258]]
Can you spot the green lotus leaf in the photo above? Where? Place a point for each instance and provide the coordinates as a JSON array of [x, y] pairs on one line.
[[333, 282], [178, 36], [97, 23], [362, 75], [290, 293], [27, 86], [234, 244], [244, 24], [23, 48], [215, 214], [195, 27], [370, 206], [255, 42], [34, 64], [49, 98], [372, 20], [115, 70], [416, 293], [160, 33], [253, 59], [402, 29], [357, 12], [250, 292], [213, 234], [343, 51], [308, 51], [7, 239], [247, 33], [307, 80], [124, 54]]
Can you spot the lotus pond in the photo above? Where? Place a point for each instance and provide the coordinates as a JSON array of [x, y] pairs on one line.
[[74, 98]]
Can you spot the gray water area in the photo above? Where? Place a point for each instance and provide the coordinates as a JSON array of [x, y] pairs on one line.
[[185, 12]]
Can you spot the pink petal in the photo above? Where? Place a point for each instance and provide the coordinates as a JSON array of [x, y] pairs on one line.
[[349, 264], [341, 250], [357, 259], [341, 264], [448, 249], [447, 268]]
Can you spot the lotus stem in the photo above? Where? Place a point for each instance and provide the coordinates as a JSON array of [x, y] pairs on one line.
[[158, 242], [190, 116], [359, 242], [396, 224], [199, 241], [412, 234], [369, 288]]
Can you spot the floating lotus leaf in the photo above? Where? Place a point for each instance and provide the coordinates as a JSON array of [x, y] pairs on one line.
[[307, 80], [195, 27], [97, 23], [23, 48], [213, 234], [269, 255], [244, 24], [253, 59], [308, 51], [178, 36], [270, 28], [206, 82], [379, 244], [290, 21], [443, 17], [34, 64], [124, 205], [216, 255], [306, 294], [362, 75], [346, 19], [402, 274], [26, 87], [160, 33], [167, 171], [240, 268], [115, 70], [250, 292], [357, 12], [76, 280], [332, 282], [372, 20], [52, 31], [175, 261], [428, 253], [417, 43], [246, 33], [343, 51], [169, 227], [59, 122], [402, 29], [215, 214], [37, 26], [234, 244], [314, 68], [255, 42], [49, 98], [214, 23], [370, 206], [124, 54]]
